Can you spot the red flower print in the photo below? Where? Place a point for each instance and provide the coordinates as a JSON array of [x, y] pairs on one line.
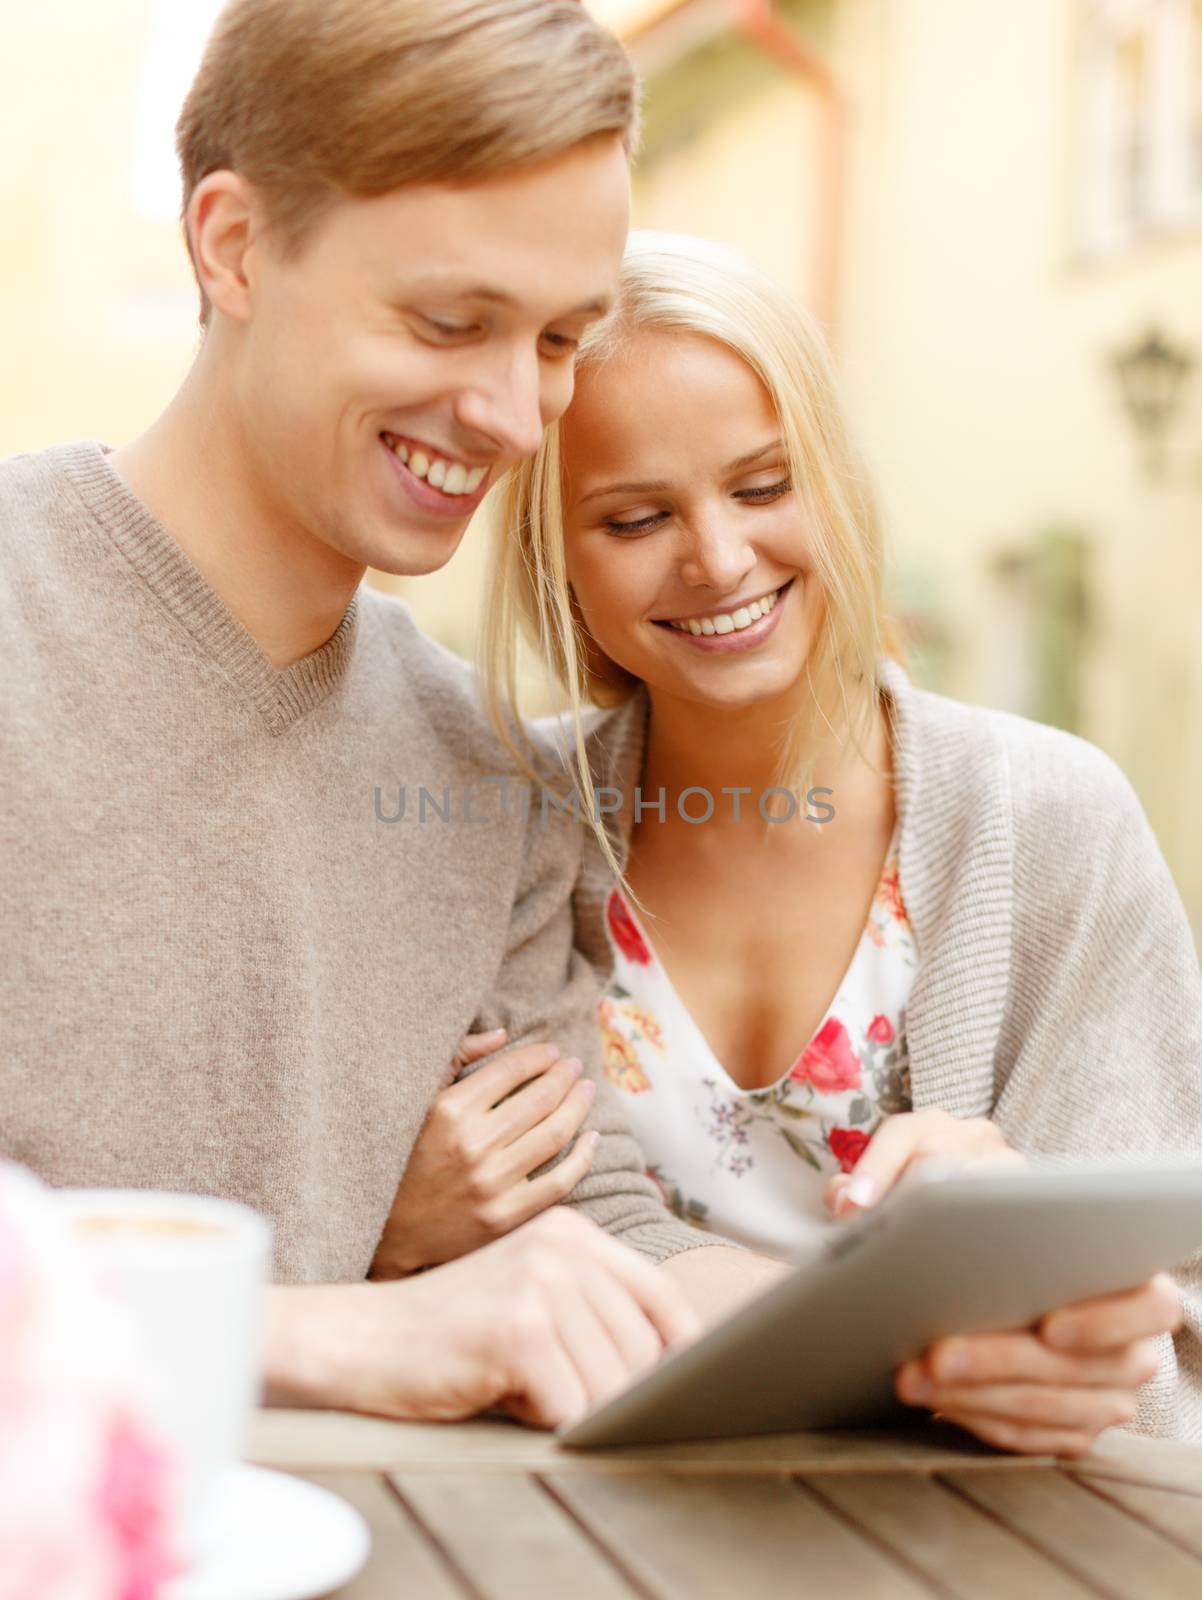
[[626, 936], [880, 1030], [828, 1061], [847, 1146], [889, 894]]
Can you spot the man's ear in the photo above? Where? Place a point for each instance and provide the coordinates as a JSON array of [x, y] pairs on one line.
[[224, 220]]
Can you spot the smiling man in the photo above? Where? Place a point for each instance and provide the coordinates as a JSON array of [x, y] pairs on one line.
[[221, 972]]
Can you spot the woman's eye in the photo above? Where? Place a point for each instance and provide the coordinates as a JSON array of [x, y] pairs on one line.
[[770, 491], [641, 525]]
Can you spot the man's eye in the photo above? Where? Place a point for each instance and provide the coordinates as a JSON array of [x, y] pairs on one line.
[[448, 330], [560, 343]]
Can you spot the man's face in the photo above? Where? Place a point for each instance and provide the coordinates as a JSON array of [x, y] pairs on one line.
[[419, 344]]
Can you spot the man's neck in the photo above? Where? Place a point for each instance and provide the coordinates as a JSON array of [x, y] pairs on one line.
[[287, 588]]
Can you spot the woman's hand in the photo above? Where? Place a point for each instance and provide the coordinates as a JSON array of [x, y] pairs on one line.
[[902, 1142], [468, 1178], [1052, 1389]]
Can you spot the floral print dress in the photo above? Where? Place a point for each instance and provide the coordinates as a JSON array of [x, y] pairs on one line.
[[752, 1163]]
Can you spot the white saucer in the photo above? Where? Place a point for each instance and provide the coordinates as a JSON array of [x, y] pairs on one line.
[[275, 1538]]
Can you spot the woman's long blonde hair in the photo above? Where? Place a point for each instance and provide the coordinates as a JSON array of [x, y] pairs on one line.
[[671, 281]]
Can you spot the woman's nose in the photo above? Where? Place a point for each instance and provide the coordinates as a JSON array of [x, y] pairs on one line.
[[718, 557]]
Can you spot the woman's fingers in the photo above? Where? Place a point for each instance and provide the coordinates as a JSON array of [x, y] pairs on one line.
[[1031, 1404], [554, 1133], [492, 1083], [913, 1136], [475, 1045], [534, 1102], [522, 1200], [1020, 1438], [1117, 1320], [1024, 1358]]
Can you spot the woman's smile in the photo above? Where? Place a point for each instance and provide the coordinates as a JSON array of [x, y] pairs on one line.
[[741, 627]]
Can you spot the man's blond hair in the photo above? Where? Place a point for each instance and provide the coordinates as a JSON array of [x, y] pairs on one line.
[[317, 100]]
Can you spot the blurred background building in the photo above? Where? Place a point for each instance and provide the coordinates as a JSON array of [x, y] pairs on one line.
[[995, 210]]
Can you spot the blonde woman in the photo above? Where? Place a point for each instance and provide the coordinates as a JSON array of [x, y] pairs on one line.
[[859, 924]]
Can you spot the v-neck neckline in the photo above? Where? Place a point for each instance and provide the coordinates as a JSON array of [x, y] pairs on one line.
[[281, 697], [857, 959]]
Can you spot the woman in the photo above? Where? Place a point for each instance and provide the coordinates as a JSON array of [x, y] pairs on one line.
[[859, 924]]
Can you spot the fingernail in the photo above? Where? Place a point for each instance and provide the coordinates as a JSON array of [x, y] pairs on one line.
[[1058, 1332], [491, 1033], [589, 1087], [952, 1362], [859, 1192], [575, 1068], [592, 1140], [552, 1053], [914, 1384]]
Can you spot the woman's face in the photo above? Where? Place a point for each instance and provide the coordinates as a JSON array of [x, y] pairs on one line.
[[682, 524]]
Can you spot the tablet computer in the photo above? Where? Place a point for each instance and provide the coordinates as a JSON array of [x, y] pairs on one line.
[[948, 1253]]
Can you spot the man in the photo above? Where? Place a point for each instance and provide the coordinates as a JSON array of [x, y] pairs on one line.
[[222, 973]]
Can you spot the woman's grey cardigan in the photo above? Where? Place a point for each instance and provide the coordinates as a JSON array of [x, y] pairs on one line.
[[1058, 989]]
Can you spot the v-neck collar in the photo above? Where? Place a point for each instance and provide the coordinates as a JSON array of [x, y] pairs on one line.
[[730, 1083], [955, 864], [281, 698]]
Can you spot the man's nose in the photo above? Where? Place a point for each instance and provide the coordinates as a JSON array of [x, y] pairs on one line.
[[506, 406]]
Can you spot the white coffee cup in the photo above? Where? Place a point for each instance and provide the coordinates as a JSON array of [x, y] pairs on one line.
[[190, 1272]]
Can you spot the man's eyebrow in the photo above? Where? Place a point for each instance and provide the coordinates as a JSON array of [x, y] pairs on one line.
[[653, 488], [597, 307]]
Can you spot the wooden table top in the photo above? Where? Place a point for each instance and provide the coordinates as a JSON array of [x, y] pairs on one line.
[[489, 1511]]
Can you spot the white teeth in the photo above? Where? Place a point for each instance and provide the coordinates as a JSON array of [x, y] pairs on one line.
[[730, 622], [452, 477]]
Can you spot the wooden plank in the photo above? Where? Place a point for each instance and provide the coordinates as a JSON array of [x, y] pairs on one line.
[[1121, 1557], [947, 1540], [402, 1560], [328, 1440], [1177, 1516], [694, 1537], [1160, 1463], [510, 1537]]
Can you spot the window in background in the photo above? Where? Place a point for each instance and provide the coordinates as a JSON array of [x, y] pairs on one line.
[[1142, 121]]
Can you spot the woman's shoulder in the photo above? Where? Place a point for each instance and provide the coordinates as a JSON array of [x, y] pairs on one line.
[[1047, 772]]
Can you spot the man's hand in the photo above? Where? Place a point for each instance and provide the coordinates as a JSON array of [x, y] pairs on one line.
[[468, 1178], [902, 1142], [542, 1324], [1053, 1389]]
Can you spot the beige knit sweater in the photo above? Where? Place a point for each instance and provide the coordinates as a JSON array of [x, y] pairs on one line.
[[1058, 988], [222, 970]]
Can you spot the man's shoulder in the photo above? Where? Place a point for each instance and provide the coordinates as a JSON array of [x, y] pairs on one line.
[[432, 677], [32, 488]]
